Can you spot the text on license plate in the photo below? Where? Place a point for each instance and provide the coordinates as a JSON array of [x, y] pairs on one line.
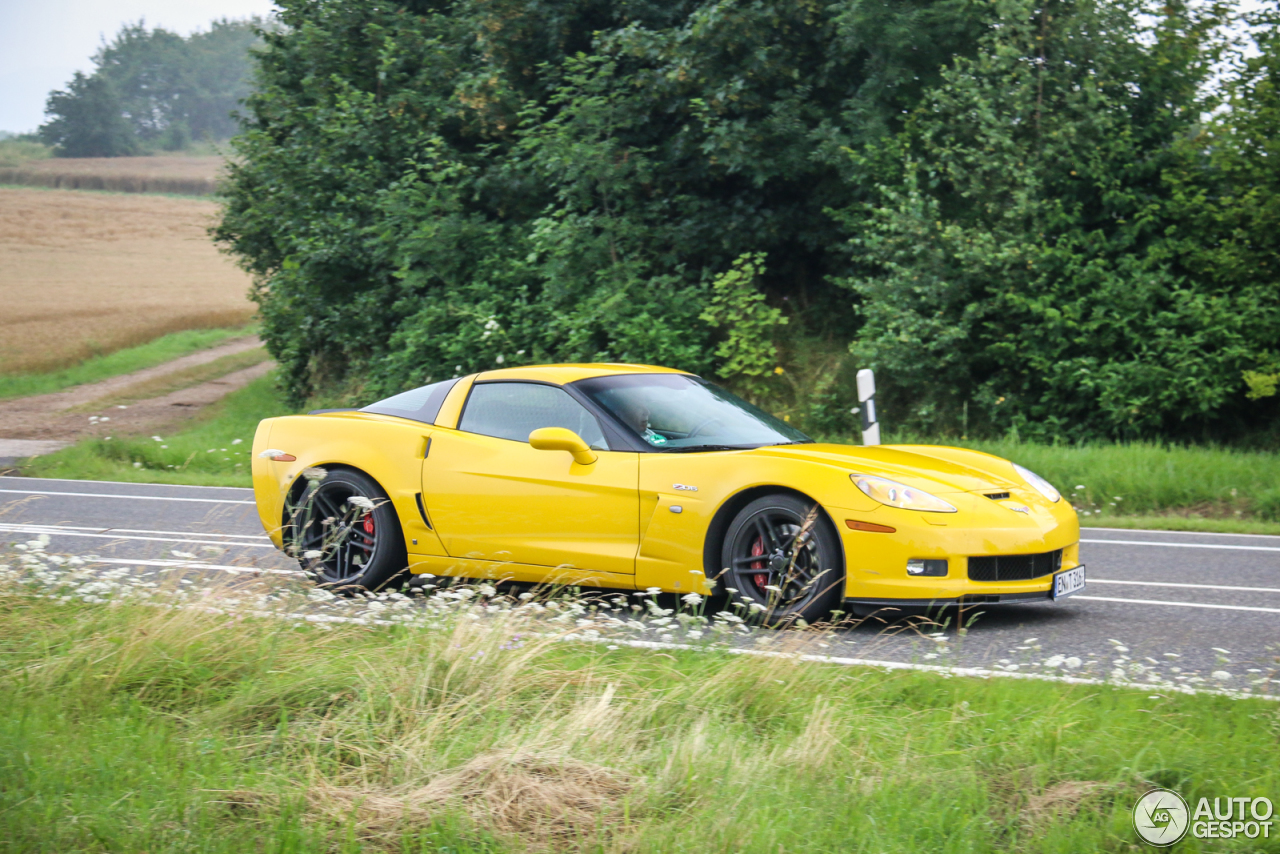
[[1068, 582]]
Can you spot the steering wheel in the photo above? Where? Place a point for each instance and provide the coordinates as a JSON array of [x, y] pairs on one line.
[[703, 423]]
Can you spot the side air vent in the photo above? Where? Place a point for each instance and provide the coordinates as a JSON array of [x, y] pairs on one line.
[[422, 509]]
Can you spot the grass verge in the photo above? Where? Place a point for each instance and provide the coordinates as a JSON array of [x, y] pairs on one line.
[[1175, 522], [477, 728], [1123, 486], [159, 351], [213, 451]]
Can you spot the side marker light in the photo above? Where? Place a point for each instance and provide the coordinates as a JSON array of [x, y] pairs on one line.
[[855, 525]]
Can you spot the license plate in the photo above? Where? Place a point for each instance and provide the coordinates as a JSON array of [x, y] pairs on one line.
[[1068, 582]]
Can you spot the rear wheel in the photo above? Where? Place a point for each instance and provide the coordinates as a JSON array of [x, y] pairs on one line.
[[346, 534], [783, 560]]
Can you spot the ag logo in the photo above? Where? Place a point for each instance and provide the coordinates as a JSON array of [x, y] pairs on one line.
[[1161, 817]]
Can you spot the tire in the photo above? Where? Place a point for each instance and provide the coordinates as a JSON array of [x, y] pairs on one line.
[[361, 549], [783, 542]]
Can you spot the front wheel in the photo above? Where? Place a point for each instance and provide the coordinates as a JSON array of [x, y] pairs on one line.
[[783, 561], [346, 534]]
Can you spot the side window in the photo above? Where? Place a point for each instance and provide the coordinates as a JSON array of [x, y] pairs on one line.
[[514, 410], [420, 404]]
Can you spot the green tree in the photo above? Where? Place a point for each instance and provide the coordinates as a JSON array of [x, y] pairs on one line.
[[423, 189], [1035, 249], [88, 120], [154, 89]]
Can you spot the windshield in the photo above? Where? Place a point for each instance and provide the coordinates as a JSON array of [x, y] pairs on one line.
[[676, 412]]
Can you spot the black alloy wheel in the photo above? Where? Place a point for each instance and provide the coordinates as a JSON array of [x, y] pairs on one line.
[[346, 535], [783, 561]]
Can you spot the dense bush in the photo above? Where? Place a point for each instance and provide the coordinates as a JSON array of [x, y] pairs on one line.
[[1011, 209], [444, 188], [1063, 242]]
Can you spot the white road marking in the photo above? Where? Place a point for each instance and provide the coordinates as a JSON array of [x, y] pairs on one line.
[[29, 528], [1193, 586], [1178, 604], [133, 497], [1184, 545], [187, 564], [25, 529], [119, 482], [256, 538]]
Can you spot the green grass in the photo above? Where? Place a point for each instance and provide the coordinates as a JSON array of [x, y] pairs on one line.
[[1175, 522], [125, 361], [205, 454], [1147, 479], [15, 152], [128, 727], [1123, 485]]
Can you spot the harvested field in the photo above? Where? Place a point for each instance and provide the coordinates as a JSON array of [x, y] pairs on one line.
[[187, 176], [83, 274]]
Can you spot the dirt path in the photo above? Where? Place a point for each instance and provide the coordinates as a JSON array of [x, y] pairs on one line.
[[42, 423]]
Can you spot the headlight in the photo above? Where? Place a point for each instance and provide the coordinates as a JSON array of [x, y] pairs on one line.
[[1041, 485], [896, 494]]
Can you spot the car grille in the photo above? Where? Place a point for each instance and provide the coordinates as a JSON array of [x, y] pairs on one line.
[[1014, 567]]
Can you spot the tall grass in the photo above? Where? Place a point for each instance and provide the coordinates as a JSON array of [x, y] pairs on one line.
[[158, 729]]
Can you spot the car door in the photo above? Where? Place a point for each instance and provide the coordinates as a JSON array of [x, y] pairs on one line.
[[492, 496]]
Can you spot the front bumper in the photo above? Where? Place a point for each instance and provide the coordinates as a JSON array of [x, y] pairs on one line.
[[876, 561]]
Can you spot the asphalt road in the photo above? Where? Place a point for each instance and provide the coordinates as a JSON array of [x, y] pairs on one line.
[[1191, 609]]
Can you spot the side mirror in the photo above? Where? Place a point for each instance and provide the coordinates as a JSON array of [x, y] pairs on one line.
[[561, 439]]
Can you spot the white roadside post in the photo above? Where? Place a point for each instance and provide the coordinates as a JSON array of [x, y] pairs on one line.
[[867, 404]]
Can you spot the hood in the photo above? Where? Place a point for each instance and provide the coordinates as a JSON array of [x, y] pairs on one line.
[[936, 469]]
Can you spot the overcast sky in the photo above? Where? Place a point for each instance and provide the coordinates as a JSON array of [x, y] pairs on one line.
[[43, 42]]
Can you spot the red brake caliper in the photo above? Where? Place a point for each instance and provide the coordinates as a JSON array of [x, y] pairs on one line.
[[760, 578], [368, 524]]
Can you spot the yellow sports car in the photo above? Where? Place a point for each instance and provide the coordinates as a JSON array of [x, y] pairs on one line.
[[636, 477]]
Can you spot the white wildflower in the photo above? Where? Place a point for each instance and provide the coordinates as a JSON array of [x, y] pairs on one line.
[[691, 599], [236, 441], [312, 554], [361, 502], [183, 555], [266, 455], [1221, 675], [1072, 662]]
